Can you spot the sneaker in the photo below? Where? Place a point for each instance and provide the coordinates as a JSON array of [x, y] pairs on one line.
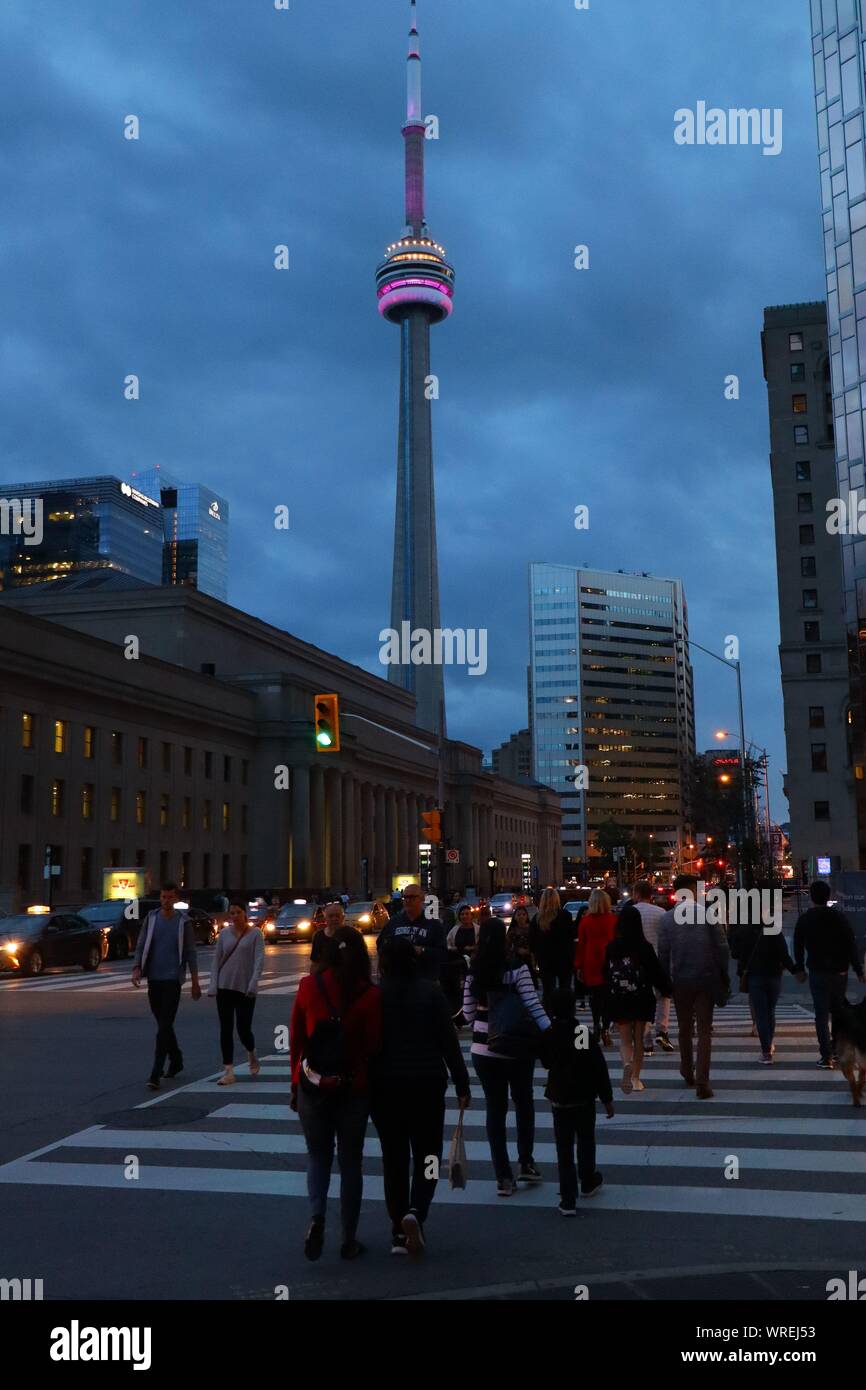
[[767, 1059], [315, 1238], [705, 1092], [826, 1064], [153, 1082], [398, 1244], [638, 1085], [414, 1233], [626, 1084], [664, 1041], [592, 1188], [565, 1210], [351, 1249], [529, 1173], [506, 1187]]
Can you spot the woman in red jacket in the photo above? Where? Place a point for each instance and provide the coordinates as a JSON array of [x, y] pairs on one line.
[[336, 1028], [597, 928]]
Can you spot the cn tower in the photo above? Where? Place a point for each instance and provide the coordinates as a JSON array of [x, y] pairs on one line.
[[415, 286]]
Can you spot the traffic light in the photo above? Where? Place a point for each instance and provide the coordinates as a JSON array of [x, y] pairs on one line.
[[431, 826], [327, 723]]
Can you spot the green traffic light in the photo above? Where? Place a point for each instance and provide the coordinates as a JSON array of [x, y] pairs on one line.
[[324, 739]]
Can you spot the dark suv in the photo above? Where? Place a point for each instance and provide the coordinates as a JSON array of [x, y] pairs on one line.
[[30, 944]]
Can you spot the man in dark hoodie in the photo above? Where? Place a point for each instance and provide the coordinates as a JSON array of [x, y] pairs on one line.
[[426, 934], [824, 942], [578, 1076]]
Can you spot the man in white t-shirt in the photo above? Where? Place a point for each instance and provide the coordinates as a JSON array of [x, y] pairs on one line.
[[651, 915]]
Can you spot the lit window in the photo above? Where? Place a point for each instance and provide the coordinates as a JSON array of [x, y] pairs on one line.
[[798, 371], [801, 434], [115, 804], [57, 798], [87, 801], [226, 816], [89, 741], [804, 472], [140, 807], [27, 731], [799, 405], [59, 736], [795, 342]]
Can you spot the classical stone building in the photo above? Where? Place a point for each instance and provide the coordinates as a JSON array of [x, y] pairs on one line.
[[176, 760]]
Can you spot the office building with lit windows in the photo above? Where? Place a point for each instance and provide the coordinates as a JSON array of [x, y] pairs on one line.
[[195, 531], [838, 37], [813, 648], [611, 691], [87, 525]]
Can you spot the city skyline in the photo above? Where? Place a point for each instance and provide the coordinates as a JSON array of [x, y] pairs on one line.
[[533, 385]]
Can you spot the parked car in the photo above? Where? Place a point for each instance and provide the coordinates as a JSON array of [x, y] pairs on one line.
[[32, 943], [368, 917], [294, 922]]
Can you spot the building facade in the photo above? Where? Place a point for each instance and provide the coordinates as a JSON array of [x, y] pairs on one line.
[[612, 705], [85, 525], [195, 524], [813, 649], [838, 33], [514, 758], [197, 759]]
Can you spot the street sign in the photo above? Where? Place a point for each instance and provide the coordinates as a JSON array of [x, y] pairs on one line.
[[51, 869], [452, 856], [619, 852]]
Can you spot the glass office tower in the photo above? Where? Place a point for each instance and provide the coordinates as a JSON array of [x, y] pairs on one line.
[[195, 535], [611, 690], [838, 33], [86, 524]]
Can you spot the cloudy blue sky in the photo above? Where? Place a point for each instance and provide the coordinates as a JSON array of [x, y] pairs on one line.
[[557, 387]]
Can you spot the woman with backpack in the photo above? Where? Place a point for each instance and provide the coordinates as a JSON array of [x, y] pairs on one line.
[[494, 976], [552, 936], [632, 974], [336, 1029], [409, 1078], [234, 980], [595, 931]]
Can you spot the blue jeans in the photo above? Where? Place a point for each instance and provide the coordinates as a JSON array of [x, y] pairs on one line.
[[324, 1119], [497, 1076], [828, 992], [764, 991]]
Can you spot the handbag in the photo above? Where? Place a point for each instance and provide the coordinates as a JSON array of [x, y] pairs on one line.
[[510, 1030], [457, 1157], [721, 986], [744, 974]]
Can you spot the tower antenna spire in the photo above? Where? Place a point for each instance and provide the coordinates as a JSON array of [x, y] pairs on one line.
[[414, 131]]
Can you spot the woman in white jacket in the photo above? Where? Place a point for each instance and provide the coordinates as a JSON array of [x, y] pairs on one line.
[[237, 965]]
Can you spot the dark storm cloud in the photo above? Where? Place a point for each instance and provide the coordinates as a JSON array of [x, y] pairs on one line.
[[557, 386]]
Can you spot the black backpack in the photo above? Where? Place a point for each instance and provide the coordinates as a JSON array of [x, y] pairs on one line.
[[627, 976], [327, 1049]]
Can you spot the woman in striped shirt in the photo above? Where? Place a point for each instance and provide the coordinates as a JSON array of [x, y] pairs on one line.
[[492, 968]]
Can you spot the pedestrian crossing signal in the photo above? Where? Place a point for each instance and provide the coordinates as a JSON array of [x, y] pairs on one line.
[[327, 723], [431, 826]]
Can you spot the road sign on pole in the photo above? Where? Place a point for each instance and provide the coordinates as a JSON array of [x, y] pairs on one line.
[[452, 856]]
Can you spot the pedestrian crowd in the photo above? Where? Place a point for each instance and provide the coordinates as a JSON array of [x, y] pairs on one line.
[[385, 1050]]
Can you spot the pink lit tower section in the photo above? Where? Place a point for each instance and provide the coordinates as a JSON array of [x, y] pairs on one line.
[[415, 286]]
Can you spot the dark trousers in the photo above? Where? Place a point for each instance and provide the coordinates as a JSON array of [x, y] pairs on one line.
[[828, 992], [764, 991], [234, 1007], [453, 974], [597, 999], [574, 1127], [691, 1004], [497, 1077], [163, 996], [553, 977], [340, 1117], [410, 1119]]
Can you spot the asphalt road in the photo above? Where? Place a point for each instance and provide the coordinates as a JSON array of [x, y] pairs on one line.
[[218, 1209]]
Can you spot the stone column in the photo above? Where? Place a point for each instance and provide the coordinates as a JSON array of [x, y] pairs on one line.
[[351, 857], [317, 826], [391, 855], [379, 851], [367, 823], [336, 874], [300, 783], [413, 819], [402, 833]]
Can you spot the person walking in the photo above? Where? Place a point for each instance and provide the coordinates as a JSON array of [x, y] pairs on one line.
[[335, 918], [409, 1078], [697, 959], [552, 937], [595, 930], [164, 950], [426, 934], [633, 975], [493, 970], [577, 1077], [762, 957], [336, 1029], [234, 982], [824, 943], [460, 943], [518, 940], [651, 915]]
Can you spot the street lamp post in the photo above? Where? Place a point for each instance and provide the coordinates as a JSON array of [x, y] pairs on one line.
[[736, 667], [491, 864]]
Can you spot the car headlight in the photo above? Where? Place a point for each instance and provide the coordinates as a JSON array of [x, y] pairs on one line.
[[365, 918], [304, 926], [270, 927], [11, 947]]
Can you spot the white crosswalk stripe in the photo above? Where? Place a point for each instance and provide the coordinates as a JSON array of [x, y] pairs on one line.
[[802, 1155]]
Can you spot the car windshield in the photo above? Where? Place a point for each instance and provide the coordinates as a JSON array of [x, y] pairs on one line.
[[293, 913], [502, 898], [24, 926], [101, 912]]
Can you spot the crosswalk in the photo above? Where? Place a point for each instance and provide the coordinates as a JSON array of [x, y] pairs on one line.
[[118, 981], [797, 1141]]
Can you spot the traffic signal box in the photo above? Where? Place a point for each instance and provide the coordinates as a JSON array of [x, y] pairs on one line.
[[327, 723], [431, 826]]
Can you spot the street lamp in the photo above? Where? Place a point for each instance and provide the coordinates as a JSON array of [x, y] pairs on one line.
[[491, 864]]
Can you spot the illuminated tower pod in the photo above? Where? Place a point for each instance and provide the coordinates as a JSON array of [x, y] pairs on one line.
[[415, 286]]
